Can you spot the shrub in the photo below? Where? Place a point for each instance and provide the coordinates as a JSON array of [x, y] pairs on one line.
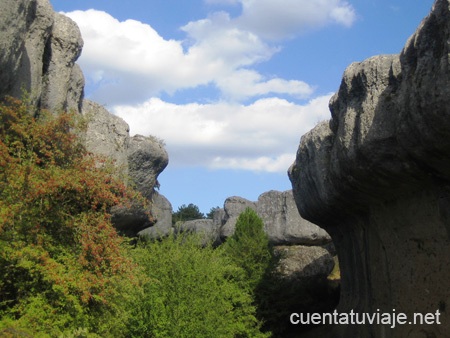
[[192, 291], [249, 247], [62, 264]]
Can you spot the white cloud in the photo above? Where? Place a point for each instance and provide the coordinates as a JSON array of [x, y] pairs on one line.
[[262, 136], [130, 62], [128, 65], [247, 83], [288, 18]]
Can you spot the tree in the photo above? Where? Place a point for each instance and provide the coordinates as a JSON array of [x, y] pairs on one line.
[[62, 264], [249, 247], [187, 213], [212, 211], [192, 291]]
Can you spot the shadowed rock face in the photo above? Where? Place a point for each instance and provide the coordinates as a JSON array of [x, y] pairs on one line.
[[377, 178], [38, 52]]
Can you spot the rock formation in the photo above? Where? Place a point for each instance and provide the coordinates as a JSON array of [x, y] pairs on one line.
[[376, 177], [161, 210], [38, 51], [282, 221], [206, 228]]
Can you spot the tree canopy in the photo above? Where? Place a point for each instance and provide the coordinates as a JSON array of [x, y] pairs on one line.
[[187, 213]]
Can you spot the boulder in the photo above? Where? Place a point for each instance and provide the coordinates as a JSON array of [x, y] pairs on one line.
[[25, 27], [161, 210], [282, 221], [147, 158], [233, 207], [63, 82], [206, 228], [139, 161], [376, 177], [106, 135], [300, 261]]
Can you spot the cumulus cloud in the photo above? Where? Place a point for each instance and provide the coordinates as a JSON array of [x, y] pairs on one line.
[[128, 65], [262, 136], [247, 83], [288, 18], [129, 61]]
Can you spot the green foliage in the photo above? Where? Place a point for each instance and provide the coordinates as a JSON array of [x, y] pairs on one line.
[[192, 291], [187, 213], [249, 247], [210, 214], [63, 267]]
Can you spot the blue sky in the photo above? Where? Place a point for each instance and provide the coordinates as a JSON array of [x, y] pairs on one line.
[[229, 85]]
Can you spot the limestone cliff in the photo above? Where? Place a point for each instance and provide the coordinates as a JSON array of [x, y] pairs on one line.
[[38, 53], [38, 50], [377, 178]]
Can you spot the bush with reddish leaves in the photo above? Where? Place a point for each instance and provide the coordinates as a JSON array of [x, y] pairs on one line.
[[63, 266]]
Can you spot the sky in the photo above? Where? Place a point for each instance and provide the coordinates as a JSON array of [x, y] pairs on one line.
[[229, 86]]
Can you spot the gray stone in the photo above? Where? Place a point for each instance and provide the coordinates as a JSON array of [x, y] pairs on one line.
[[25, 28], [62, 50], [130, 220], [206, 228], [161, 210], [376, 177], [147, 158], [300, 261], [38, 52], [282, 221], [106, 135], [139, 161], [233, 207]]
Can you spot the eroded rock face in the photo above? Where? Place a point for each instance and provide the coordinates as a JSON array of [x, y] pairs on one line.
[[376, 177], [282, 221], [147, 158], [63, 81], [106, 135], [233, 207], [161, 209], [38, 52], [207, 229]]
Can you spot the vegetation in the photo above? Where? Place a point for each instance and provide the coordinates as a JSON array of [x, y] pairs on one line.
[[192, 291], [249, 247], [187, 213], [66, 272], [62, 264], [212, 211]]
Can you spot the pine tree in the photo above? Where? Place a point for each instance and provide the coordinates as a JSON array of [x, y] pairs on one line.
[[249, 247]]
